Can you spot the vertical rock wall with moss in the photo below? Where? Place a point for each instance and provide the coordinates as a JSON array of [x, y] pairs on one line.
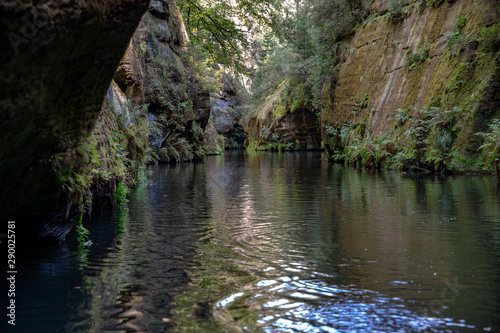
[[157, 71], [416, 84], [283, 122], [56, 62], [156, 109]]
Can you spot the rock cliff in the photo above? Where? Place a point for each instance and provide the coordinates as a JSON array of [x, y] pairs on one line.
[[57, 59], [156, 71], [282, 123], [94, 94], [416, 84], [229, 106]]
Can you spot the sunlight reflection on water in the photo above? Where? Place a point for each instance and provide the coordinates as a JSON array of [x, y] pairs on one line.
[[339, 309]]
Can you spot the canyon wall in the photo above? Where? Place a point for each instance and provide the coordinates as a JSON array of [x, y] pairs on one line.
[[57, 59], [92, 94], [417, 82], [282, 123]]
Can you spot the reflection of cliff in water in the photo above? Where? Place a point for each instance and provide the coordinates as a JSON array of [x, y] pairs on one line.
[[148, 267], [278, 241]]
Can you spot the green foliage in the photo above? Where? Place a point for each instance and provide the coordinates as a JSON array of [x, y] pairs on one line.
[[116, 152], [201, 63], [430, 136], [462, 21], [331, 131], [211, 27], [76, 172], [396, 13], [421, 6], [460, 42], [361, 128], [364, 103], [491, 146], [83, 244], [489, 38], [436, 3], [176, 148], [306, 52], [300, 102], [414, 59], [83, 233], [403, 160], [463, 71], [279, 110], [274, 67], [369, 152], [402, 116], [436, 102], [121, 195]]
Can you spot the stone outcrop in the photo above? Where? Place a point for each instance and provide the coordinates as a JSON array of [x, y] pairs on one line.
[[156, 72], [57, 59], [280, 124], [228, 108]]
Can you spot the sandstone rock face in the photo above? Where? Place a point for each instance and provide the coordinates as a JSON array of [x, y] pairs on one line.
[[155, 71], [57, 59], [408, 65], [276, 123], [224, 115], [228, 108]]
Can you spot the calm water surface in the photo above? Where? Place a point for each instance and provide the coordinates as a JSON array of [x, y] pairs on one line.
[[259, 242]]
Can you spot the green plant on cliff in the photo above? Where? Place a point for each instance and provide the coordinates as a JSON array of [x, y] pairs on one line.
[[331, 131], [210, 76], [436, 3], [364, 103], [489, 37], [76, 169], [459, 41], [461, 22], [432, 136], [491, 146], [402, 116], [396, 13], [175, 148], [121, 195], [420, 56], [365, 151], [115, 154]]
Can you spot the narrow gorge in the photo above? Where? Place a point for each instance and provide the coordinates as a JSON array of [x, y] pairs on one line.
[[250, 166]]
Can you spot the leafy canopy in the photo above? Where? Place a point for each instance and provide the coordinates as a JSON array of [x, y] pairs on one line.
[[308, 53], [224, 28]]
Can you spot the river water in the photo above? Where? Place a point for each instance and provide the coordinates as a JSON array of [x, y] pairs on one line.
[[261, 242]]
